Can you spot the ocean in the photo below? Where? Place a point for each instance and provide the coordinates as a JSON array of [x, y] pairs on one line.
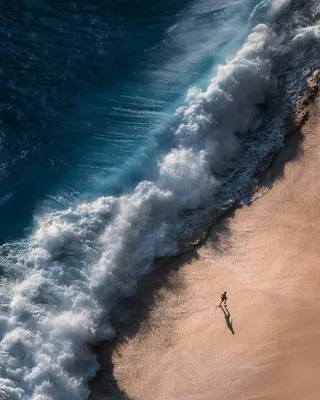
[[126, 128]]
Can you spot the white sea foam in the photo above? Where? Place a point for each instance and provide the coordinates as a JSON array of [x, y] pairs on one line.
[[79, 262], [308, 33]]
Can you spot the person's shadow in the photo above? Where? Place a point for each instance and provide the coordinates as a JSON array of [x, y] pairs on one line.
[[227, 318]]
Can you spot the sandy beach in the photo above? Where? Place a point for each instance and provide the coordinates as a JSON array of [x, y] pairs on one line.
[[265, 345]]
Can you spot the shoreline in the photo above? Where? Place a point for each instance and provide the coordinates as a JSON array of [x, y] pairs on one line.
[[164, 278]]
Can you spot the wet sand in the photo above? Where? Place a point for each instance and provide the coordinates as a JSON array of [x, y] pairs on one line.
[[266, 344]]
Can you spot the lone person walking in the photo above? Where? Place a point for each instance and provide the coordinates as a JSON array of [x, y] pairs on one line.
[[224, 299]]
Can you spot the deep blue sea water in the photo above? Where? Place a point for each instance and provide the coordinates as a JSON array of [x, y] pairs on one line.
[[86, 85], [125, 125]]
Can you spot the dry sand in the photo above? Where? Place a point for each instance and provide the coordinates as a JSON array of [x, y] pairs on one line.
[[267, 258]]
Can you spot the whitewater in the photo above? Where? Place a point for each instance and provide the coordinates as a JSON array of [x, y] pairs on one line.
[[60, 284]]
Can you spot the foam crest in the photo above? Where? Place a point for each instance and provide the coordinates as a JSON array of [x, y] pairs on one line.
[[307, 34]]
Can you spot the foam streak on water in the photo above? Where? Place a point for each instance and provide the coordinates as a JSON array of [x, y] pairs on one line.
[[79, 262]]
